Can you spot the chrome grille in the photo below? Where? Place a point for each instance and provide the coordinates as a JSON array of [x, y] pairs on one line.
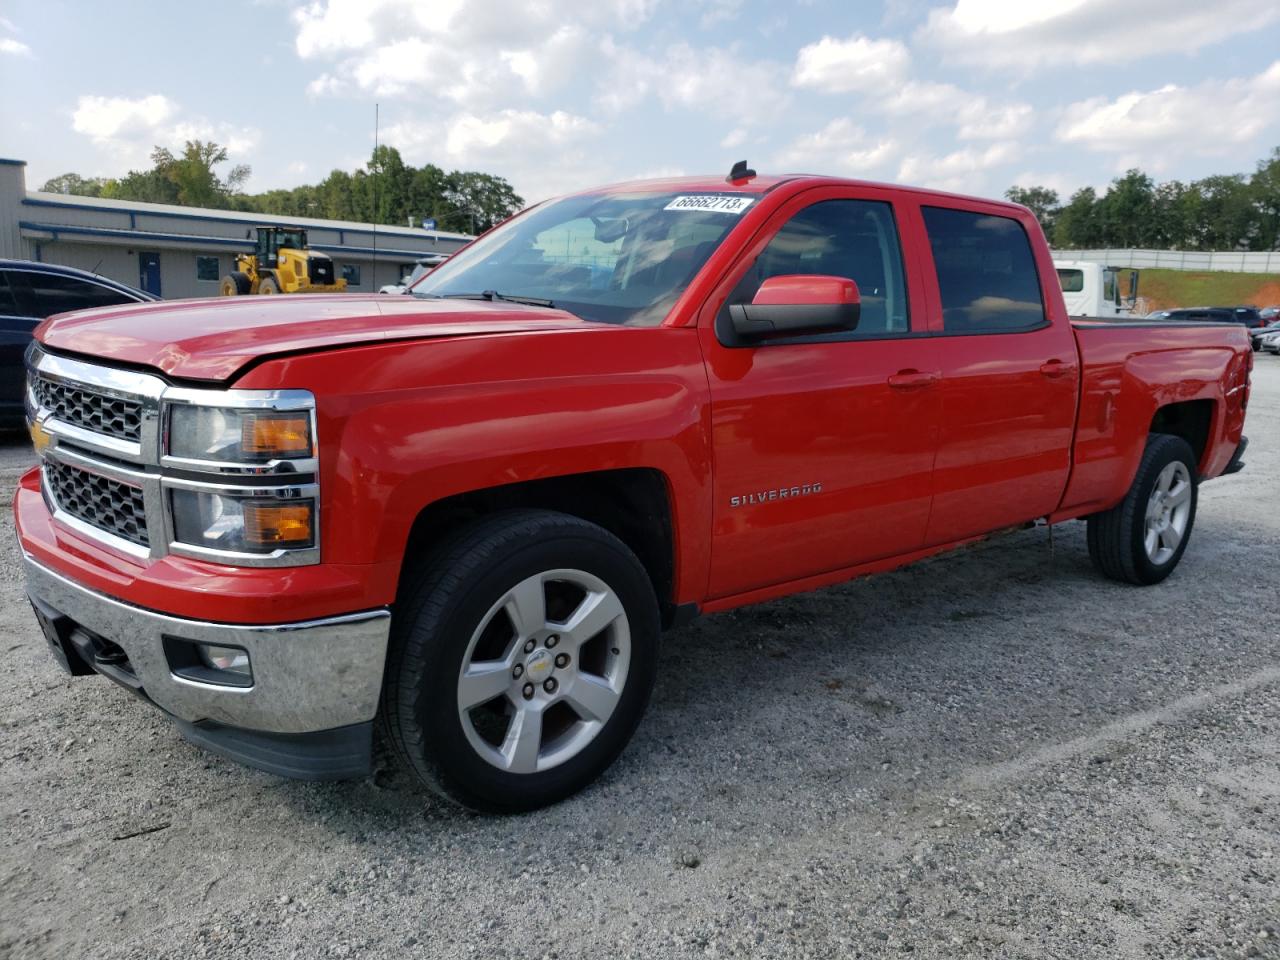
[[88, 409], [106, 504]]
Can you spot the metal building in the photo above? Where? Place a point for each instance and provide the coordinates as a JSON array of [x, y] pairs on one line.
[[177, 252]]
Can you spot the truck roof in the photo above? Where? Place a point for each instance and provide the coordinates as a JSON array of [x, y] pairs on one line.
[[764, 183]]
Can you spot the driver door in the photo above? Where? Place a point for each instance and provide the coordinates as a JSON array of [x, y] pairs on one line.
[[823, 444]]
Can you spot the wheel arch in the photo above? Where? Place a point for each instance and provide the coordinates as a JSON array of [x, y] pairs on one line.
[[1192, 420], [634, 504]]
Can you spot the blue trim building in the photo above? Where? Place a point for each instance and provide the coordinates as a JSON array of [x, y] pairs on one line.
[[180, 252]]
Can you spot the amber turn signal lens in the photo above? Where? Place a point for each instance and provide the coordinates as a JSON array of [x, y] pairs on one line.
[[276, 436], [286, 525]]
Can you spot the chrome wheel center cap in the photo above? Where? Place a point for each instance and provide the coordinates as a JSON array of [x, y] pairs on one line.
[[539, 666]]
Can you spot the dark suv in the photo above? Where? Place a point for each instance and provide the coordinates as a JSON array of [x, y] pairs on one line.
[[1249, 317], [31, 291]]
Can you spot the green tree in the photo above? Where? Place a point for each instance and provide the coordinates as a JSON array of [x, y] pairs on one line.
[[1227, 217], [1078, 225], [386, 190], [1127, 211], [148, 186], [1042, 201], [193, 176], [1264, 189], [73, 183], [479, 201]]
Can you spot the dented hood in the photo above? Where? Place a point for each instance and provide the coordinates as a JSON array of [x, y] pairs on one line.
[[213, 339]]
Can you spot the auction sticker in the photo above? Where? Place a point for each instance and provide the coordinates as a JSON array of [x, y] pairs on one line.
[[712, 203]]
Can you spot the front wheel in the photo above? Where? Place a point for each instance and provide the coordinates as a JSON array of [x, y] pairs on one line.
[[1142, 538], [521, 661]]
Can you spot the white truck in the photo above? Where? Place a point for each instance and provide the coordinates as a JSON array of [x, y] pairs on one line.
[[1093, 290]]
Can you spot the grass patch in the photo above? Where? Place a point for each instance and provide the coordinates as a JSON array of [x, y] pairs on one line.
[[1188, 288]]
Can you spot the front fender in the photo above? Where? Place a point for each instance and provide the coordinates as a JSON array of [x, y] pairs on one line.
[[403, 426]]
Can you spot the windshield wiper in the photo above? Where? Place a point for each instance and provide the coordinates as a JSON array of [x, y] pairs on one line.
[[495, 295]]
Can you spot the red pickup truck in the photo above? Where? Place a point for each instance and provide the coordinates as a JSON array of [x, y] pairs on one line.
[[467, 514]]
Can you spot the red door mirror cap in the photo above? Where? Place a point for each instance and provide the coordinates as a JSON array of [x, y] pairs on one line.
[[807, 288]]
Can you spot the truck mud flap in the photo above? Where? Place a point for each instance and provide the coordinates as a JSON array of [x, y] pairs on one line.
[[1237, 464]]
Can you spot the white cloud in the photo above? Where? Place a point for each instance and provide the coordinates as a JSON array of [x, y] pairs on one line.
[[105, 119], [841, 147], [1210, 118], [541, 154], [480, 54], [974, 116], [734, 138], [719, 11], [1032, 33], [127, 130], [858, 64], [687, 77], [14, 48], [961, 170]]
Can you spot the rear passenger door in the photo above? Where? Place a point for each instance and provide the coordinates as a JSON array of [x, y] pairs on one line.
[[1009, 374]]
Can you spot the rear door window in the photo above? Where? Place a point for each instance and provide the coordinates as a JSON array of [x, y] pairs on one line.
[[44, 294], [8, 303], [986, 272]]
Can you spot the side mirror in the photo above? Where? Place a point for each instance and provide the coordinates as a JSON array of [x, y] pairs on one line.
[[798, 304]]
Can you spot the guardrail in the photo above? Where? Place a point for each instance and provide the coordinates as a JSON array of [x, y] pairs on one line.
[[1229, 261]]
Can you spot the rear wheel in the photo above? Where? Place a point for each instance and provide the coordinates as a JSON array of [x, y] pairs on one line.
[[522, 658], [268, 285], [1142, 539], [235, 284]]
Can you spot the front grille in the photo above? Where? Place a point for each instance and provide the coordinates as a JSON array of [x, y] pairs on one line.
[[85, 408], [106, 504]]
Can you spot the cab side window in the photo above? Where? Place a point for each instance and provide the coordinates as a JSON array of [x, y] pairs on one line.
[[986, 272], [8, 303], [44, 294], [857, 239]]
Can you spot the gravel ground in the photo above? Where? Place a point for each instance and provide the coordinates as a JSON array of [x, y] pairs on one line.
[[993, 754]]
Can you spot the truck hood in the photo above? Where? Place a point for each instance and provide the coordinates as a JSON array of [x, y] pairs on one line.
[[213, 339]]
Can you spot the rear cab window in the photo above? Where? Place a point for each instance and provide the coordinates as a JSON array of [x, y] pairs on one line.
[[987, 275]]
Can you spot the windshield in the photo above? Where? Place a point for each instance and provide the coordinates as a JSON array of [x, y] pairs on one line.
[[616, 258]]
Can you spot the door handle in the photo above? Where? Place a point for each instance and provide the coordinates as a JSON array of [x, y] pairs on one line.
[[1056, 368], [912, 379]]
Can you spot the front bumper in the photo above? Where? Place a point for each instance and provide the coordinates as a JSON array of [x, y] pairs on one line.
[[309, 678]]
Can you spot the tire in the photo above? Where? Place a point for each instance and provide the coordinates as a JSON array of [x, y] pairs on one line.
[[1159, 509], [268, 284], [461, 607], [235, 284]]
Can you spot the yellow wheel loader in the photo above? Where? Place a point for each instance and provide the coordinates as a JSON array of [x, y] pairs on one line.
[[281, 263]]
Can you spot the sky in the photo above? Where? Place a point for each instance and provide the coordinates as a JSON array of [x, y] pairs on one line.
[[559, 95]]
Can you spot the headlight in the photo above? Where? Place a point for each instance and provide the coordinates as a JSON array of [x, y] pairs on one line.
[[243, 524], [230, 435]]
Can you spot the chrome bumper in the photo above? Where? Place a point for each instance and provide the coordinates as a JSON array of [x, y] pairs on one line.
[[309, 676]]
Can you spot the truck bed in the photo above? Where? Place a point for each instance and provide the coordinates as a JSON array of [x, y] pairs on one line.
[[1132, 368]]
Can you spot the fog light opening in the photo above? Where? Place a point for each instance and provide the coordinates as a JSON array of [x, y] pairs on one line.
[[209, 662]]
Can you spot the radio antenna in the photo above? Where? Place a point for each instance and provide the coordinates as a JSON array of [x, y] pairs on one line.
[[375, 196]]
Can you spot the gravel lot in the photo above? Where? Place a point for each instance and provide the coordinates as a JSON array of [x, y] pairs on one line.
[[992, 754]]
